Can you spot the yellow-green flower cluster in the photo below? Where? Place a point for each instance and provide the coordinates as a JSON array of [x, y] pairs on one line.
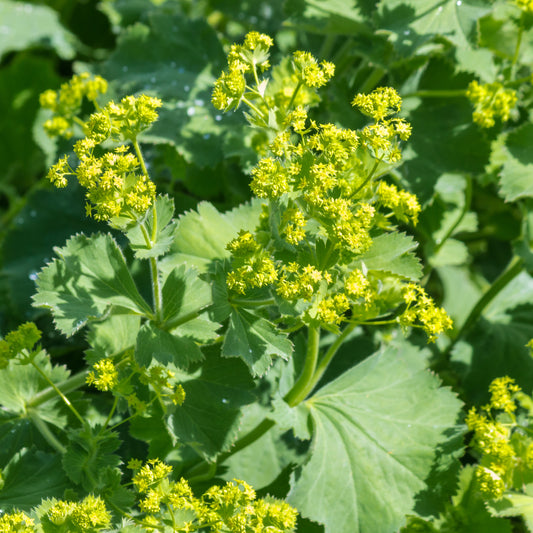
[[422, 312], [252, 55], [403, 204], [163, 382], [506, 450], [311, 72], [115, 182], [66, 103], [232, 507], [89, 515], [16, 522], [20, 341], [104, 375], [383, 136], [299, 282], [253, 267], [491, 101]]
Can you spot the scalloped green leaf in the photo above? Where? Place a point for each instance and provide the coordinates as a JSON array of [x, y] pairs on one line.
[[516, 176], [210, 418], [255, 340], [30, 476], [515, 504], [376, 431], [154, 344], [414, 22], [202, 235], [161, 242], [89, 276], [184, 296], [25, 25], [20, 383], [392, 252], [116, 334], [88, 456]]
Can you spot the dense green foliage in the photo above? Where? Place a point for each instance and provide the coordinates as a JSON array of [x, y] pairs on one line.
[[300, 263]]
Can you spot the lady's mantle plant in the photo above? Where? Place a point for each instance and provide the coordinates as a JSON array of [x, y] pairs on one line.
[[247, 311]]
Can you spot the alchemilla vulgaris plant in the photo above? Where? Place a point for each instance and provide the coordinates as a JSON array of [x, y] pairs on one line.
[[301, 356]]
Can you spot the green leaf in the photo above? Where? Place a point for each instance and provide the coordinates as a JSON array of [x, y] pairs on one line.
[[515, 504], [89, 276], [414, 22], [114, 335], [261, 462], [391, 252], [184, 295], [376, 430], [30, 476], [515, 176], [210, 418], [25, 25], [25, 250], [165, 348], [177, 59], [200, 330], [327, 17], [255, 340], [452, 252], [164, 207], [496, 346], [20, 383], [89, 454], [202, 235]]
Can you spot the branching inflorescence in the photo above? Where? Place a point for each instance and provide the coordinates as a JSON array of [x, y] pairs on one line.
[[326, 196]]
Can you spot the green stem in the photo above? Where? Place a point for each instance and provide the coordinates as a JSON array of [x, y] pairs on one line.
[[445, 93], [517, 49], [72, 383], [328, 356], [513, 269], [44, 430], [464, 210], [251, 303], [372, 80], [294, 93], [302, 386], [252, 106], [60, 394], [248, 439], [109, 416]]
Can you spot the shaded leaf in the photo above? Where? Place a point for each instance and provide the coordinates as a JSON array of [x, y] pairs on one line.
[[209, 419], [30, 476]]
